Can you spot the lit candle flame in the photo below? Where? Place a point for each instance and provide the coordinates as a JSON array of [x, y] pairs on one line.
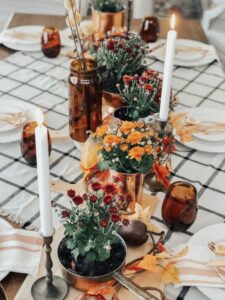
[[173, 22], [40, 118]]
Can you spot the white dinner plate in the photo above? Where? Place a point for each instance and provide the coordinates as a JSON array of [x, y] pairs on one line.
[[202, 238], [205, 56], [31, 112], [213, 143], [4, 224], [8, 109]]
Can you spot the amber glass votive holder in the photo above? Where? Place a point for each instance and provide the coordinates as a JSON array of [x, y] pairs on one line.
[[180, 206], [50, 42], [27, 143], [150, 29]]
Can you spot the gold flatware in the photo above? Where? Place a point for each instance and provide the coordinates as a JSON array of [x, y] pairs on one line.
[[216, 263], [217, 248]]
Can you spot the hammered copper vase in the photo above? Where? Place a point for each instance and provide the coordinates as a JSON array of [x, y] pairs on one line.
[[105, 21], [85, 99], [131, 188]]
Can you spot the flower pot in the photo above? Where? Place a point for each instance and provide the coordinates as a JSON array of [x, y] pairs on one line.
[[131, 187], [85, 99], [84, 283], [105, 21], [129, 113]]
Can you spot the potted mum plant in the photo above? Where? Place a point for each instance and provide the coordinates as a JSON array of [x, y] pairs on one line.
[[129, 150], [119, 55], [107, 15], [141, 95]]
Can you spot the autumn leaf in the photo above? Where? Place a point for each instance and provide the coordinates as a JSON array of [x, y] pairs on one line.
[[166, 255], [102, 289], [163, 255], [170, 274], [148, 263], [162, 173]]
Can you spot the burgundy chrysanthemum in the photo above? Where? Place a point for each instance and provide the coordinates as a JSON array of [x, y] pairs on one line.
[[103, 223], [71, 193], [65, 214], [108, 199], [93, 198], [115, 218], [110, 188], [126, 222], [96, 186], [113, 210], [128, 198], [78, 200], [85, 196]]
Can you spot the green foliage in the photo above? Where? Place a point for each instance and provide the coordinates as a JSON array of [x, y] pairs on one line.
[[107, 5]]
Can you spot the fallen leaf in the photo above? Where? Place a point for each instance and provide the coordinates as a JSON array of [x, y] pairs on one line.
[[163, 255], [170, 274], [148, 263], [102, 289], [162, 173]]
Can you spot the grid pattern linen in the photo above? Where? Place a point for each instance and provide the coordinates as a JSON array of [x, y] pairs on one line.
[[35, 79]]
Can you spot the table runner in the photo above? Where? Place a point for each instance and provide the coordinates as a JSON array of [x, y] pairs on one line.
[[30, 77]]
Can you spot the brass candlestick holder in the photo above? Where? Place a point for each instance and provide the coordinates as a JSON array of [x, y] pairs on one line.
[[164, 129], [49, 287]]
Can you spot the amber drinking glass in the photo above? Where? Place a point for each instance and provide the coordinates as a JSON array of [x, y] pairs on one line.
[[150, 29], [50, 42], [27, 143], [85, 99], [180, 206]]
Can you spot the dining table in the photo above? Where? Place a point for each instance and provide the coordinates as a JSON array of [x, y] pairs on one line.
[[32, 78]]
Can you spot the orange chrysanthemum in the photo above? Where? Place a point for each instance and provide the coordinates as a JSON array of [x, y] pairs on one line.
[[124, 147], [135, 137], [110, 139], [100, 131], [137, 153], [127, 126]]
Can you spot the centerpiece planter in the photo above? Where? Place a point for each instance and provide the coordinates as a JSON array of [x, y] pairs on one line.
[[92, 251], [105, 21]]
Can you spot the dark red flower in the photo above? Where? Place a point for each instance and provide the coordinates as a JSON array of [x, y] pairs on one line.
[[96, 186], [85, 196], [110, 45], [128, 50], [128, 198], [108, 199], [148, 87], [113, 210], [65, 214], [136, 77], [126, 222], [121, 198], [127, 79], [93, 198], [71, 193], [103, 223], [116, 178], [110, 188], [115, 218], [78, 200]]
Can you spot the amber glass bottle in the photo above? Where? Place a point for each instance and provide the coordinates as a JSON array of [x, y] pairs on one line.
[[50, 42], [150, 29], [85, 99]]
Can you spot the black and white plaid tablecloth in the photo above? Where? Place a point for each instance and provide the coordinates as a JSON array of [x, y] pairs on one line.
[[30, 77]]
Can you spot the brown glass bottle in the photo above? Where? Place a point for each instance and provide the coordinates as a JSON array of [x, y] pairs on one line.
[[27, 143], [180, 206], [150, 29], [85, 99], [50, 42]]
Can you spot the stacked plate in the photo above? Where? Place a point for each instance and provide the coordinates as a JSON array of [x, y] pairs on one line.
[[188, 53], [213, 141], [13, 115], [28, 38]]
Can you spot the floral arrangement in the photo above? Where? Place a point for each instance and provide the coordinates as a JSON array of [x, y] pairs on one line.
[[121, 54], [92, 222], [130, 147], [142, 93], [107, 5]]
